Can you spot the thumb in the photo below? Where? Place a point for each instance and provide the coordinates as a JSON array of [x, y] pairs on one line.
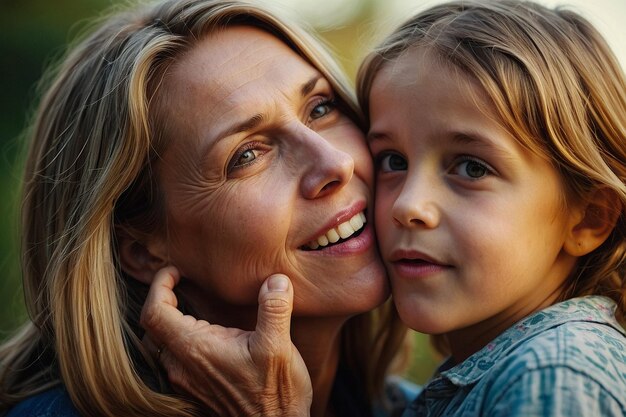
[[274, 315]]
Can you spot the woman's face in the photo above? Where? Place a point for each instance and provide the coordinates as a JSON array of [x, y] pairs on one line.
[[261, 164]]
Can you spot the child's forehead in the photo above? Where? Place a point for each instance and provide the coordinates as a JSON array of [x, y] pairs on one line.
[[423, 93], [417, 68], [412, 61]]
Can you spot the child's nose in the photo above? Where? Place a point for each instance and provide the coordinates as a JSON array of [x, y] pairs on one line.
[[416, 206]]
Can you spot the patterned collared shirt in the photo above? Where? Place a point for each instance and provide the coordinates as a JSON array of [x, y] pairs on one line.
[[567, 360]]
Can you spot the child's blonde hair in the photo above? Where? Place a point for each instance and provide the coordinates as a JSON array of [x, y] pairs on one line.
[[555, 84]]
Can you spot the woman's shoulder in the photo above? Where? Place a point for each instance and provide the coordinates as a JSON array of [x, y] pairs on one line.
[[51, 403]]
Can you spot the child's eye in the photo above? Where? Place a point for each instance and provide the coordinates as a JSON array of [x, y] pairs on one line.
[[471, 168], [322, 108], [392, 162]]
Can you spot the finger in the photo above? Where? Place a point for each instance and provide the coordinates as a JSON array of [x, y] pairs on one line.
[[274, 315], [150, 345], [162, 287], [159, 315]]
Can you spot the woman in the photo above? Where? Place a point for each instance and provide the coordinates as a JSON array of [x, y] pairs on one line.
[[213, 137]]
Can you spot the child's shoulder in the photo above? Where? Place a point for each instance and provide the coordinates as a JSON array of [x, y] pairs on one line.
[[588, 347], [569, 359], [581, 334], [583, 356]]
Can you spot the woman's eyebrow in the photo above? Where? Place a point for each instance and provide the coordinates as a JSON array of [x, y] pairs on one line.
[[246, 125], [307, 87], [238, 127], [257, 119]]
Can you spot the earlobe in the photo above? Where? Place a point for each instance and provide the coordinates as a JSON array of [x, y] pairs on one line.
[[593, 222], [140, 260]]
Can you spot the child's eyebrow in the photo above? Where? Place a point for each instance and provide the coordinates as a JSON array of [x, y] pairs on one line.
[[478, 140], [375, 136], [471, 138], [474, 139]]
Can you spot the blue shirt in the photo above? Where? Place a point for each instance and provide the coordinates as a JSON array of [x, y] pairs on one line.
[[567, 360], [56, 402], [52, 403]]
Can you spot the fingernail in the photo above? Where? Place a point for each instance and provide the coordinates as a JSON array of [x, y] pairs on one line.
[[277, 283]]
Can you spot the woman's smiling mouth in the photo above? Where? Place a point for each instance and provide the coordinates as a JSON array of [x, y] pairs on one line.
[[335, 235]]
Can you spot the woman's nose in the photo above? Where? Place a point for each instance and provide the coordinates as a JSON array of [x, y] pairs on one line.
[[416, 206], [327, 168]]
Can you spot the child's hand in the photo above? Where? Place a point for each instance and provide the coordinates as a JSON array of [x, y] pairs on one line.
[[233, 372]]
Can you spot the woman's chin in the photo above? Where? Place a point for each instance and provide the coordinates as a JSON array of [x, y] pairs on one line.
[[357, 292]]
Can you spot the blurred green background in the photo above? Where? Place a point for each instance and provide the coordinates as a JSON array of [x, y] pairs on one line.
[[35, 33]]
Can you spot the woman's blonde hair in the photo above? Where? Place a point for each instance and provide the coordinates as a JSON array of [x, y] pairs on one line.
[[555, 85], [88, 174]]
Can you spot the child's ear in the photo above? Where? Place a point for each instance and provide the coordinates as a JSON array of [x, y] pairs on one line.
[[140, 258], [593, 222]]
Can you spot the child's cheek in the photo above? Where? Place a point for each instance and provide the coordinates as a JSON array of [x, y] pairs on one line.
[[383, 219]]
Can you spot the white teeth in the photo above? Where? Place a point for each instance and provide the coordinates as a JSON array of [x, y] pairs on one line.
[[356, 222], [332, 235], [343, 231]]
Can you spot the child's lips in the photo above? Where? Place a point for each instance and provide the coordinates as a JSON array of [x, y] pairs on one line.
[[416, 264], [413, 257], [415, 261], [416, 268]]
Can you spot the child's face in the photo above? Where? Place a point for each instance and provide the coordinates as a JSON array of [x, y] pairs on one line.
[[470, 224]]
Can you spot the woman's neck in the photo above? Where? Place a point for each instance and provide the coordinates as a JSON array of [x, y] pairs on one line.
[[319, 341]]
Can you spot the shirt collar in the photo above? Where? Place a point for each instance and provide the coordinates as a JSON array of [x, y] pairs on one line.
[[596, 309]]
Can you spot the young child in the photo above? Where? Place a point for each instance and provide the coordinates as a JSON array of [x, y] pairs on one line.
[[499, 134]]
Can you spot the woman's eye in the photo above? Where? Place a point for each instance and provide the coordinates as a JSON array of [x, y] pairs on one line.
[[472, 169], [322, 109], [392, 162], [244, 158]]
